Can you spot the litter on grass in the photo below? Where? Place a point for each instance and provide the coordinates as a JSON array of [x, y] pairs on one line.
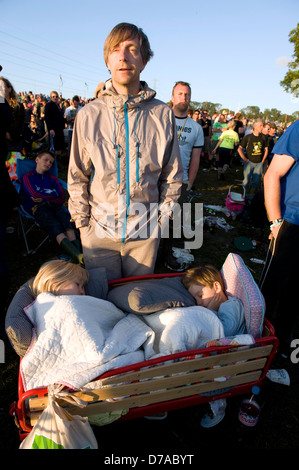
[[279, 376]]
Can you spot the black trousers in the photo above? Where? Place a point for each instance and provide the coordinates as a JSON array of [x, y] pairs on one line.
[[280, 282]]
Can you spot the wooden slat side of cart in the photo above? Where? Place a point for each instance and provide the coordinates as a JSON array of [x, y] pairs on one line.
[[165, 383]]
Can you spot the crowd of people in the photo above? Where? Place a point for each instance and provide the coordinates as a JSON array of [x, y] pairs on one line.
[[36, 126], [125, 148]]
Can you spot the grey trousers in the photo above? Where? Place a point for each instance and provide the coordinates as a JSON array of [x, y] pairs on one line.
[[130, 258]]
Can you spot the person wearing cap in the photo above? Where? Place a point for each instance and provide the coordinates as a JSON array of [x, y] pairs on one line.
[[225, 114], [280, 278], [125, 169], [272, 139]]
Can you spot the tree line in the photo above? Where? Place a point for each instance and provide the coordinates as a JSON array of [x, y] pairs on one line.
[[250, 112]]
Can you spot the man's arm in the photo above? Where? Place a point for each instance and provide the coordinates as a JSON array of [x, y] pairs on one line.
[[241, 153], [218, 143], [279, 166], [194, 164], [265, 154], [79, 174]]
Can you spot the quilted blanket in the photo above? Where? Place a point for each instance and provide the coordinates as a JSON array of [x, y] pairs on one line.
[[181, 329], [77, 338]]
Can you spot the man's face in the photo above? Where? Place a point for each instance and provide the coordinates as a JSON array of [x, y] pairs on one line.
[[125, 64], [196, 115], [272, 131], [266, 130], [181, 97], [76, 104], [258, 127], [54, 97]]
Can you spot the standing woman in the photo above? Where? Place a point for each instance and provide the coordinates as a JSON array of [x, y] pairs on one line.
[[14, 134], [8, 194]]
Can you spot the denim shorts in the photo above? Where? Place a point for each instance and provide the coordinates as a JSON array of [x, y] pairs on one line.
[[53, 219]]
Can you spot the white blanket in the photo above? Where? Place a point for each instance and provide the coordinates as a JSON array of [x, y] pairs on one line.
[[77, 338], [181, 329]]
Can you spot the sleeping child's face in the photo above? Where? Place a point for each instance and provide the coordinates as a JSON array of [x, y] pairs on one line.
[[75, 287], [208, 297], [44, 163]]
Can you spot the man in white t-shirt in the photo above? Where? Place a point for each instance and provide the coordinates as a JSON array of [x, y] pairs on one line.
[[70, 115], [191, 141], [71, 112], [190, 133]]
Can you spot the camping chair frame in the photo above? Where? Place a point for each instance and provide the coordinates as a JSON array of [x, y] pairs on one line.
[[26, 227]]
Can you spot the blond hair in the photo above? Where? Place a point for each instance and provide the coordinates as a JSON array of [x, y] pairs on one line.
[[13, 96], [231, 124], [123, 32], [202, 275], [52, 275]]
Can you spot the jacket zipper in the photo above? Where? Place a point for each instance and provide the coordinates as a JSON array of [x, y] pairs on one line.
[[137, 144], [127, 171]]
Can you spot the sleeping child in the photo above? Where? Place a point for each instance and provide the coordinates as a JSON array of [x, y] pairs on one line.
[[75, 337], [60, 278], [206, 285]]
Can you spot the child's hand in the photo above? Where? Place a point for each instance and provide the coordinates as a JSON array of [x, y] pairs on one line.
[[37, 199]]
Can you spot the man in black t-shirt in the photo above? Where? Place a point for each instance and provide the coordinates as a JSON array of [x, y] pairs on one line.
[[55, 122], [256, 149], [206, 125], [239, 128]]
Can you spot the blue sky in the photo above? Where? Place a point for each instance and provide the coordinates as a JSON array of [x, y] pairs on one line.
[[233, 53]]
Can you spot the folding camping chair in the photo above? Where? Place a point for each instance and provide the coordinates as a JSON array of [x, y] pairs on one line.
[[26, 221]]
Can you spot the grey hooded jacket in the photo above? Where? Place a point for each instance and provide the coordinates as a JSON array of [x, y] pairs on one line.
[[124, 163]]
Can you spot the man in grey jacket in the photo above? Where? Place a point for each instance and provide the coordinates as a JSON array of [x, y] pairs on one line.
[[125, 168]]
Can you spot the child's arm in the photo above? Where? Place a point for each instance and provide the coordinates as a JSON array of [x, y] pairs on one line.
[[51, 191], [219, 142], [231, 315], [58, 196]]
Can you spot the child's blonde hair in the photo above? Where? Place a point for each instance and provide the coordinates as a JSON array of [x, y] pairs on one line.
[[203, 275], [52, 275], [231, 124]]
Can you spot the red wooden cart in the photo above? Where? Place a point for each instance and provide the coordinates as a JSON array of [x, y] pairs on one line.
[[163, 384]]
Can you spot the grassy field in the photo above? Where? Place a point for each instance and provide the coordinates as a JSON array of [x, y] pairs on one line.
[[180, 433]]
